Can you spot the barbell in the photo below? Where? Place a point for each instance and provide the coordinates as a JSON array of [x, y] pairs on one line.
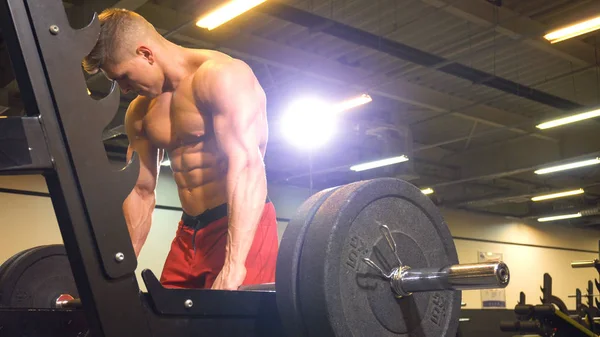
[[373, 258]]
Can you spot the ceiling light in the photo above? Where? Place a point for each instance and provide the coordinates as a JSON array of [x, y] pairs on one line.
[[568, 166], [569, 119], [352, 103], [427, 190], [226, 12], [557, 195], [379, 163], [165, 163], [560, 217], [573, 30]]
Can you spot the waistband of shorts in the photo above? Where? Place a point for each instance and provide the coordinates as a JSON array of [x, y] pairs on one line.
[[205, 218]]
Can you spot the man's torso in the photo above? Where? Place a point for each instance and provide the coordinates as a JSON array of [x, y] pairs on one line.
[[174, 122]]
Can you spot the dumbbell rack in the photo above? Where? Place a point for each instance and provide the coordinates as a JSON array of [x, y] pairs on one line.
[[61, 138], [552, 317]]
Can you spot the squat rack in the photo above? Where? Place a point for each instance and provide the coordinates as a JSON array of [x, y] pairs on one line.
[[60, 138]]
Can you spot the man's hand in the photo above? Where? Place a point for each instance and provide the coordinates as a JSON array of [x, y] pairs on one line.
[[230, 278]]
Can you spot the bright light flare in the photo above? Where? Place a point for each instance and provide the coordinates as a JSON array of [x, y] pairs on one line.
[[571, 31], [568, 166], [379, 163], [226, 12], [309, 123], [557, 195]]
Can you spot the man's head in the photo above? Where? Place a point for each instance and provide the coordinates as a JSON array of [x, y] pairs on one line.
[[126, 52]]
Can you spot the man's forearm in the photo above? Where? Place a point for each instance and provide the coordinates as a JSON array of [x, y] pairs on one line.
[[138, 208], [247, 191]]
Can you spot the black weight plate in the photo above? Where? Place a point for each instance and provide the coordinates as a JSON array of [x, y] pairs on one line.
[[341, 296], [8, 262], [286, 272], [36, 278], [6, 266]]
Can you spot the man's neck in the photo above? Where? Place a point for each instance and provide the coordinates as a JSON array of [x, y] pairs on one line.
[[179, 65]]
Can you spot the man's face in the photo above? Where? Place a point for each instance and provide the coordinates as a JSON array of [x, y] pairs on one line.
[[136, 74]]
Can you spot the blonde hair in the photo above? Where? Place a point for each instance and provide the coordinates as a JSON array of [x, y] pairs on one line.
[[120, 30]]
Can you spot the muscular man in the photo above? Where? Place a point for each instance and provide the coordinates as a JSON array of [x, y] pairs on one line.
[[206, 110]]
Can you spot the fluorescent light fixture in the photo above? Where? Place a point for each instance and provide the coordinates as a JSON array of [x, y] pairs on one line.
[[379, 163], [571, 31], [568, 166], [569, 119], [558, 195], [165, 163], [352, 103], [226, 12], [309, 123], [427, 190], [560, 217]]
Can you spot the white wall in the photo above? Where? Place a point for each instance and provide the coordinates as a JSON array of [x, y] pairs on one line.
[[527, 263], [26, 221], [29, 221]]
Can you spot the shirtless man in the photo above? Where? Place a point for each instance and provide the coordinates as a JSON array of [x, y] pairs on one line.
[[206, 110]]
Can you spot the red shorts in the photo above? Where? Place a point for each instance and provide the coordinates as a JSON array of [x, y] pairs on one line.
[[197, 266]]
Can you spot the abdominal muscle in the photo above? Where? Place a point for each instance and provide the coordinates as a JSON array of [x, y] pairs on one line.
[[200, 174]]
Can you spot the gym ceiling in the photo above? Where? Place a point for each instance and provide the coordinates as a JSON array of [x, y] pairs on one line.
[[458, 86]]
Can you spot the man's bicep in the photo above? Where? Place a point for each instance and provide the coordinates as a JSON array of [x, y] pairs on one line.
[[235, 136], [148, 155], [149, 158], [235, 106]]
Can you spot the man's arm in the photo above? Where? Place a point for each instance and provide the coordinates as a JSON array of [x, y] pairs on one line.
[[232, 93], [139, 205]]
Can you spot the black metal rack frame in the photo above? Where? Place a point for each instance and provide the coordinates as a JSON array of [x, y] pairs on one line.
[[60, 138]]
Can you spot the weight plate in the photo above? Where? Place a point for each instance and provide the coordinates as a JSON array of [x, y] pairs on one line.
[[36, 278], [341, 296], [286, 272], [8, 262]]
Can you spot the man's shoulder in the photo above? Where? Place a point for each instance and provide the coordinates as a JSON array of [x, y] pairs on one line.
[[215, 69], [137, 107], [135, 112], [220, 75]]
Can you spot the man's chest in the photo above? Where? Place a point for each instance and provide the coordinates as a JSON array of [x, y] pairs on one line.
[[174, 120]]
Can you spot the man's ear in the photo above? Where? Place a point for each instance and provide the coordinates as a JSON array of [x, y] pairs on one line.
[[146, 53]]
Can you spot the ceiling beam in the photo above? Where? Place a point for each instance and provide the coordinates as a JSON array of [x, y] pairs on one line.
[[513, 25], [511, 172], [408, 53], [243, 45]]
